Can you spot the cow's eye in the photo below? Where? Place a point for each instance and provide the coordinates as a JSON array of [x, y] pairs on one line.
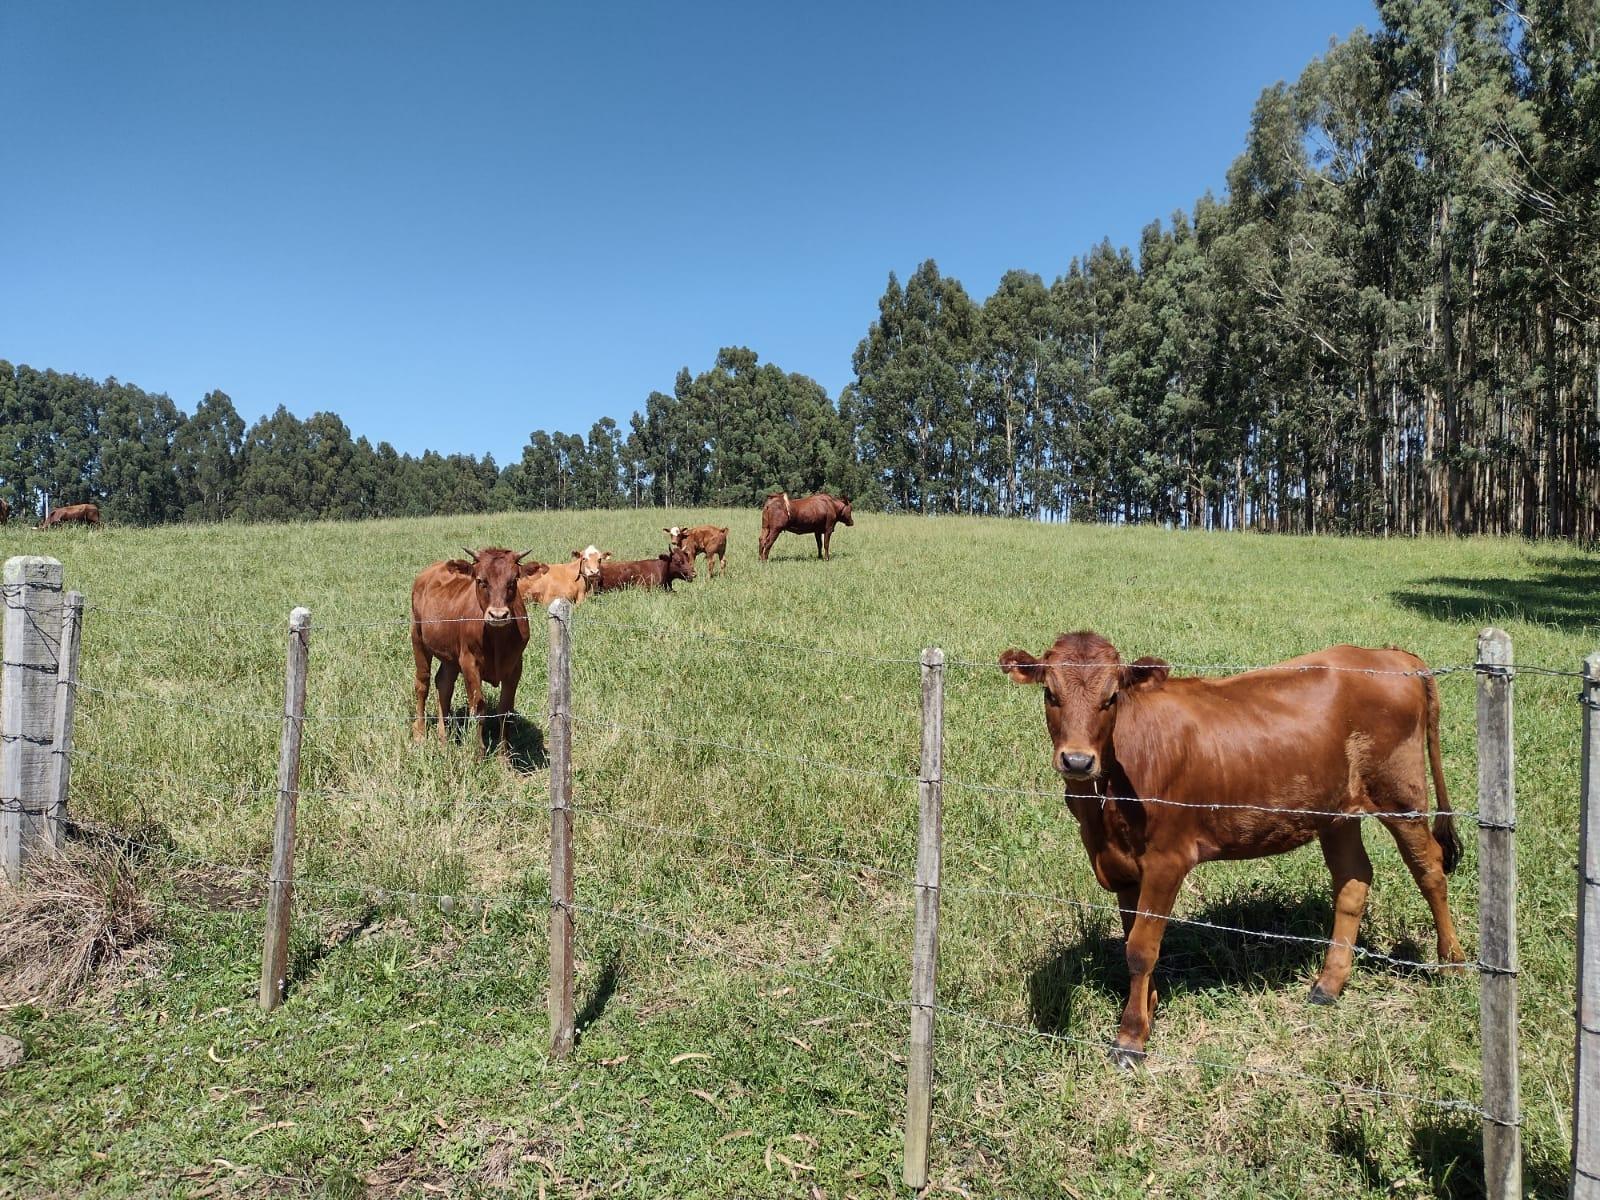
[[1108, 701], [1050, 698]]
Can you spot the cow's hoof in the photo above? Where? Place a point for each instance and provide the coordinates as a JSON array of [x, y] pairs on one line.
[[1320, 996], [1126, 1058]]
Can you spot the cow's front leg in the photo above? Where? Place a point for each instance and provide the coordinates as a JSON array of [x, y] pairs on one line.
[[476, 708], [508, 701], [827, 542], [444, 682], [1157, 890]]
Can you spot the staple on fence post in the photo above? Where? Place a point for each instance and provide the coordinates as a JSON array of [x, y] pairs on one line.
[[32, 596], [925, 943], [1497, 919], [65, 715], [562, 1020], [280, 884], [1586, 1075]]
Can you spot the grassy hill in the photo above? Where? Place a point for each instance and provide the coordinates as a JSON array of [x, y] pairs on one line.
[[727, 1048]]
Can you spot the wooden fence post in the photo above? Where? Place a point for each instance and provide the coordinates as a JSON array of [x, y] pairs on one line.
[[65, 715], [562, 1019], [1586, 1076], [925, 943], [1497, 919], [280, 884], [32, 596]]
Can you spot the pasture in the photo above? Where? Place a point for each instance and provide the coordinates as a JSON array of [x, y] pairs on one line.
[[410, 1057]]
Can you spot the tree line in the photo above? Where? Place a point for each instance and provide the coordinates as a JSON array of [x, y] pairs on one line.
[[1390, 324]]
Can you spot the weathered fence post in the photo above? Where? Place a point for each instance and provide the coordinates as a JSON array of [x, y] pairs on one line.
[[1586, 1076], [66, 715], [32, 595], [925, 944], [1497, 919], [280, 884], [562, 1020]]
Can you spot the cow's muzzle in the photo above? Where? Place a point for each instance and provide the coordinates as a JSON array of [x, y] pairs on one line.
[[1075, 764], [497, 617]]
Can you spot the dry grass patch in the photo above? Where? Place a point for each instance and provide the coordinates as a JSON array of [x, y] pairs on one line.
[[77, 916]]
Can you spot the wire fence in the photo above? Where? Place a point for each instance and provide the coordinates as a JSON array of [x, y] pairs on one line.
[[906, 880]]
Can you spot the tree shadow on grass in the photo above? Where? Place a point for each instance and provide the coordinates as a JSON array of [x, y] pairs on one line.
[[1194, 959], [1565, 593], [1448, 1151]]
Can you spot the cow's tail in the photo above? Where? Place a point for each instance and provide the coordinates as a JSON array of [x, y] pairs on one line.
[[1444, 821]]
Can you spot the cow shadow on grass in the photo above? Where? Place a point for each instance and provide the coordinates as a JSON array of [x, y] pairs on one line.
[[525, 744], [1446, 1151], [1194, 959], [1563, 593]]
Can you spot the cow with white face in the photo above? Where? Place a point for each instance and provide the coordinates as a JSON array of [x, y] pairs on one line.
[[575, 580]]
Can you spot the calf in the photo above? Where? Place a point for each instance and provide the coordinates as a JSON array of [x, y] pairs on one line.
[[1164, 773], [710, 540], [572, 581], [469, 614], [816, 515], [72, 514], [647, 572]]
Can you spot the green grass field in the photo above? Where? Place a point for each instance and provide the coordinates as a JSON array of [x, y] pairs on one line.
[[410, 1057]]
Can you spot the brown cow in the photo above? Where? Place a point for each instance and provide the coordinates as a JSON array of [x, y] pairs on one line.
[[72, 514], [574, 581], [1243, 766], [812, 514], [5, 512], [467, 613], [647, 572], [710, 540]]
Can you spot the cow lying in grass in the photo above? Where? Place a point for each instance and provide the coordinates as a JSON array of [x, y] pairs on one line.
[[647, 572], [710, 540], [469, 614], [573, 581], [1164, 773]]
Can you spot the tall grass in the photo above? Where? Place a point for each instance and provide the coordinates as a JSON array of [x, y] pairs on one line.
[[397, 1005]]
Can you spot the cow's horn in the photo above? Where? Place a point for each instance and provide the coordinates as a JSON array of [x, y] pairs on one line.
[[471, 555], [524, 555]]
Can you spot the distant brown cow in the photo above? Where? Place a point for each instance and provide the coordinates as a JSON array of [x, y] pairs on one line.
[[467, 613], [72, 514], [574, 581], [5, 512], [1164, 773], [710, 540], [647, 572], [812, 514]]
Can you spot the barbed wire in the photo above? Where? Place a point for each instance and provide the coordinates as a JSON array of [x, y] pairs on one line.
[[757, 752], [789, 856], [1196, 923], [1332, 1085], [1215, 806]]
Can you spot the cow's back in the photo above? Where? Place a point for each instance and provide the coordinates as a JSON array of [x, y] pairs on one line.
[[1303, 734], [442, 608]]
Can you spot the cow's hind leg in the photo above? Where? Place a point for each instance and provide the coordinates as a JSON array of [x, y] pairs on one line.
[[818, 536], [444, 682], [1352, 877], [419, 724], [1157, 890], [1426, 860]]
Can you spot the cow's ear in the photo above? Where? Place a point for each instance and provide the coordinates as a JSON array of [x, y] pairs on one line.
[[458, 566], [577, 554], [1021, 666], [605, 555], [529, 570], [1145, 673]]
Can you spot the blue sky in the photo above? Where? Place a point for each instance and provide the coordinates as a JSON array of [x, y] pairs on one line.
[[455, 224]]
